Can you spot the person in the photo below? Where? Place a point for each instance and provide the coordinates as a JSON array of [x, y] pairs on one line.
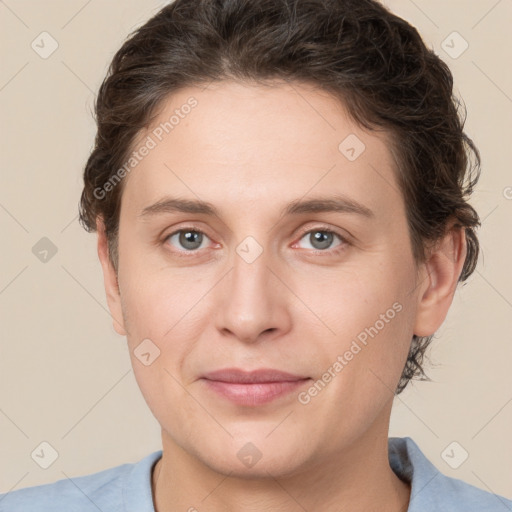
[[280, 193]]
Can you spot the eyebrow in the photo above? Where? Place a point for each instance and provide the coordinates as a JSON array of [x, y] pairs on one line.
[[338, 203]]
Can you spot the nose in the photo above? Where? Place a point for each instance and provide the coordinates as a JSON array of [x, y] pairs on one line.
[[252, 302]]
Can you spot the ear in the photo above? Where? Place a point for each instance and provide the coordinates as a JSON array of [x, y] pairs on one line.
[[110, 280], [440, 278]]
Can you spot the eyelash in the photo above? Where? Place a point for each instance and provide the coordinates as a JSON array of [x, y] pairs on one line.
[[336, 250]]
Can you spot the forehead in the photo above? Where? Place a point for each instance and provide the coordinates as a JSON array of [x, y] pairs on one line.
[[241, 143]]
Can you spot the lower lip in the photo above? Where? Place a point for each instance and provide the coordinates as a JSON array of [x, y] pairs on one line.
[[254, 394]]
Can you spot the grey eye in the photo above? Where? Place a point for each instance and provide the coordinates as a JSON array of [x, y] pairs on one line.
[[187, 239], [320, 239]]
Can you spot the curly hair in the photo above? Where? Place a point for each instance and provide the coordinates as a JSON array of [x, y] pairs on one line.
[[373, 61]]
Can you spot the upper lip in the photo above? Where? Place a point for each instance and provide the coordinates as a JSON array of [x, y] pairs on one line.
[[254, 376]]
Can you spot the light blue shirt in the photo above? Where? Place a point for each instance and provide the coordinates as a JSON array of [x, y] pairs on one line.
[[127, 488]]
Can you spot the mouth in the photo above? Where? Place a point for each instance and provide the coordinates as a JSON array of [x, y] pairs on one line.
[[252, 388]]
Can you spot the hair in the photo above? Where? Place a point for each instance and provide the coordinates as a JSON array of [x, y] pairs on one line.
[[373, 61]]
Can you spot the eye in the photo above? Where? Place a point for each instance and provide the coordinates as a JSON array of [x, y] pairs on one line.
[[322, 239], [188, 239], [192, 239]]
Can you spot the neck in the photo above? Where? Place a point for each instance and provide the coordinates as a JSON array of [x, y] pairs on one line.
[[356, 479]]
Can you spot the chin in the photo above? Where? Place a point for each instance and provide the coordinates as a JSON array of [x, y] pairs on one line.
[[257, 459]]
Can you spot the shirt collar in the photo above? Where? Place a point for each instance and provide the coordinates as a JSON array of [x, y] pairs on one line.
[[137, 492]]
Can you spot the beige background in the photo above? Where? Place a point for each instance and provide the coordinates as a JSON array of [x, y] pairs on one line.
[[65, 376]]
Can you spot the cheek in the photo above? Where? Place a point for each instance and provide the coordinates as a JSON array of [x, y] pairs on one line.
[[359, 371], [353, 296], [155, 303], [367, 314], [162, 328], [164, 311]]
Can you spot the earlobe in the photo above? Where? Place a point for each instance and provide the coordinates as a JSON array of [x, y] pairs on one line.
[[110, 280], [441, 275]]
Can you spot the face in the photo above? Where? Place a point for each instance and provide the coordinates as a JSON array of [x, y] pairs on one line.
[[296, 258]]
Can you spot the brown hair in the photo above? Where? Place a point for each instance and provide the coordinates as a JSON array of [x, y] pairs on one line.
[[372, 60]]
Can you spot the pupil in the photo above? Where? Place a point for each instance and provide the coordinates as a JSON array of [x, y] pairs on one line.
[[321, 239], [190, 239]]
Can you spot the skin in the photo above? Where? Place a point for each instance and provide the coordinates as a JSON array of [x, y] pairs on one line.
[[249, 150]]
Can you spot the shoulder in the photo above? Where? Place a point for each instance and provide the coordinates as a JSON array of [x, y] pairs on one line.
[[432, 490], [74, 493], [109, 489]]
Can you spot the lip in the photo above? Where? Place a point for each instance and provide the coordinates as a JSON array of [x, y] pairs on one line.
[[251, 388]]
